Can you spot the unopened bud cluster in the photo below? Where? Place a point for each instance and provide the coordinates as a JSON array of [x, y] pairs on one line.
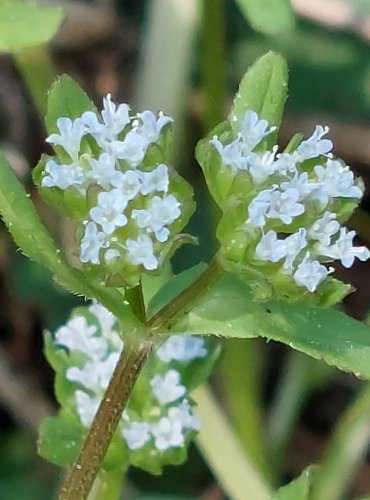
[[110, 175], [159, 417], [284, 210]]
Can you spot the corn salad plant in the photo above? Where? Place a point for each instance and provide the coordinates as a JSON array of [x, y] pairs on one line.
[[126, 363]]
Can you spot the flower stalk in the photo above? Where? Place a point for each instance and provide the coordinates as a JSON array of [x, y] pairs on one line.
[[86, 468]]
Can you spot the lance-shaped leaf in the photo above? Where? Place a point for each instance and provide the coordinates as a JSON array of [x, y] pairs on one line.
[[299, 489], [264, 90], [30, 234], [66, 98], [228, 310], [26, 24]]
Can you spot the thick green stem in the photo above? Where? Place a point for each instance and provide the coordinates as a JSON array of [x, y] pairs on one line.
[[236, 473], [86, 468], [345, 451], [184, 300]]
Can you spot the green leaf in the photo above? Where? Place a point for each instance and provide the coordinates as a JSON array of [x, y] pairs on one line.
[[60, 439], [270, 17], [173, 287], [67, 99], [29, 233], [25, 24], [264, 90], [299, 489], [228, 310]]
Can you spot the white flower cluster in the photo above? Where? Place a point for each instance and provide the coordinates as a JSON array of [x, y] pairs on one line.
[[171, 417], [125, 195], [290, 185]]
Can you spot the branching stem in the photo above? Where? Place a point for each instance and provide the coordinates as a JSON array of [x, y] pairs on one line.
[[132, 359]]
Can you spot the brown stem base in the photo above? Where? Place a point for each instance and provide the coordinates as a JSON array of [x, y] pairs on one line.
[[86, 468]]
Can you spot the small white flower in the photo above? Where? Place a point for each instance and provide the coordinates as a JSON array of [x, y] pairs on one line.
[[63, 176], [128, 184], [293, 245], [168, 433], [141, 252], [302, 184], [91, 244], [323, 229], [71, 133], [184, 414], [106, 368], [87, 376], [160, 213], [109, 211], [86, 406], [115, 117], [94, 375], [103, 171], [78, 335], [132, 149], [284, 205], [335, 180], [258, 207], [271, 248], [182, 348], [315, 146], [149, 127], [167, 388], [106, 319], [155, 181], [310, 273], [136, 435], [286, 163], [254, 130], [261, 166], [231, 154], [344, 250]]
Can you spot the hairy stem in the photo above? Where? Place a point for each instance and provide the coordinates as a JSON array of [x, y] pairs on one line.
[[87, 466]]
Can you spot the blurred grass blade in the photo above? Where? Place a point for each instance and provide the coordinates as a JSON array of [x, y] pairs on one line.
[[301, 375], [240, 373], [233, 469], [270, 17], [38, 72], [213, 62], [346, 450]]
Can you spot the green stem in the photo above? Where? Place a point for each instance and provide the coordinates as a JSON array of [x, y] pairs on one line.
[[132, 359], [213, 62], [236, 473], [107, 486], [184, 300], [87, 466], [346, 450], [38, 72]]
